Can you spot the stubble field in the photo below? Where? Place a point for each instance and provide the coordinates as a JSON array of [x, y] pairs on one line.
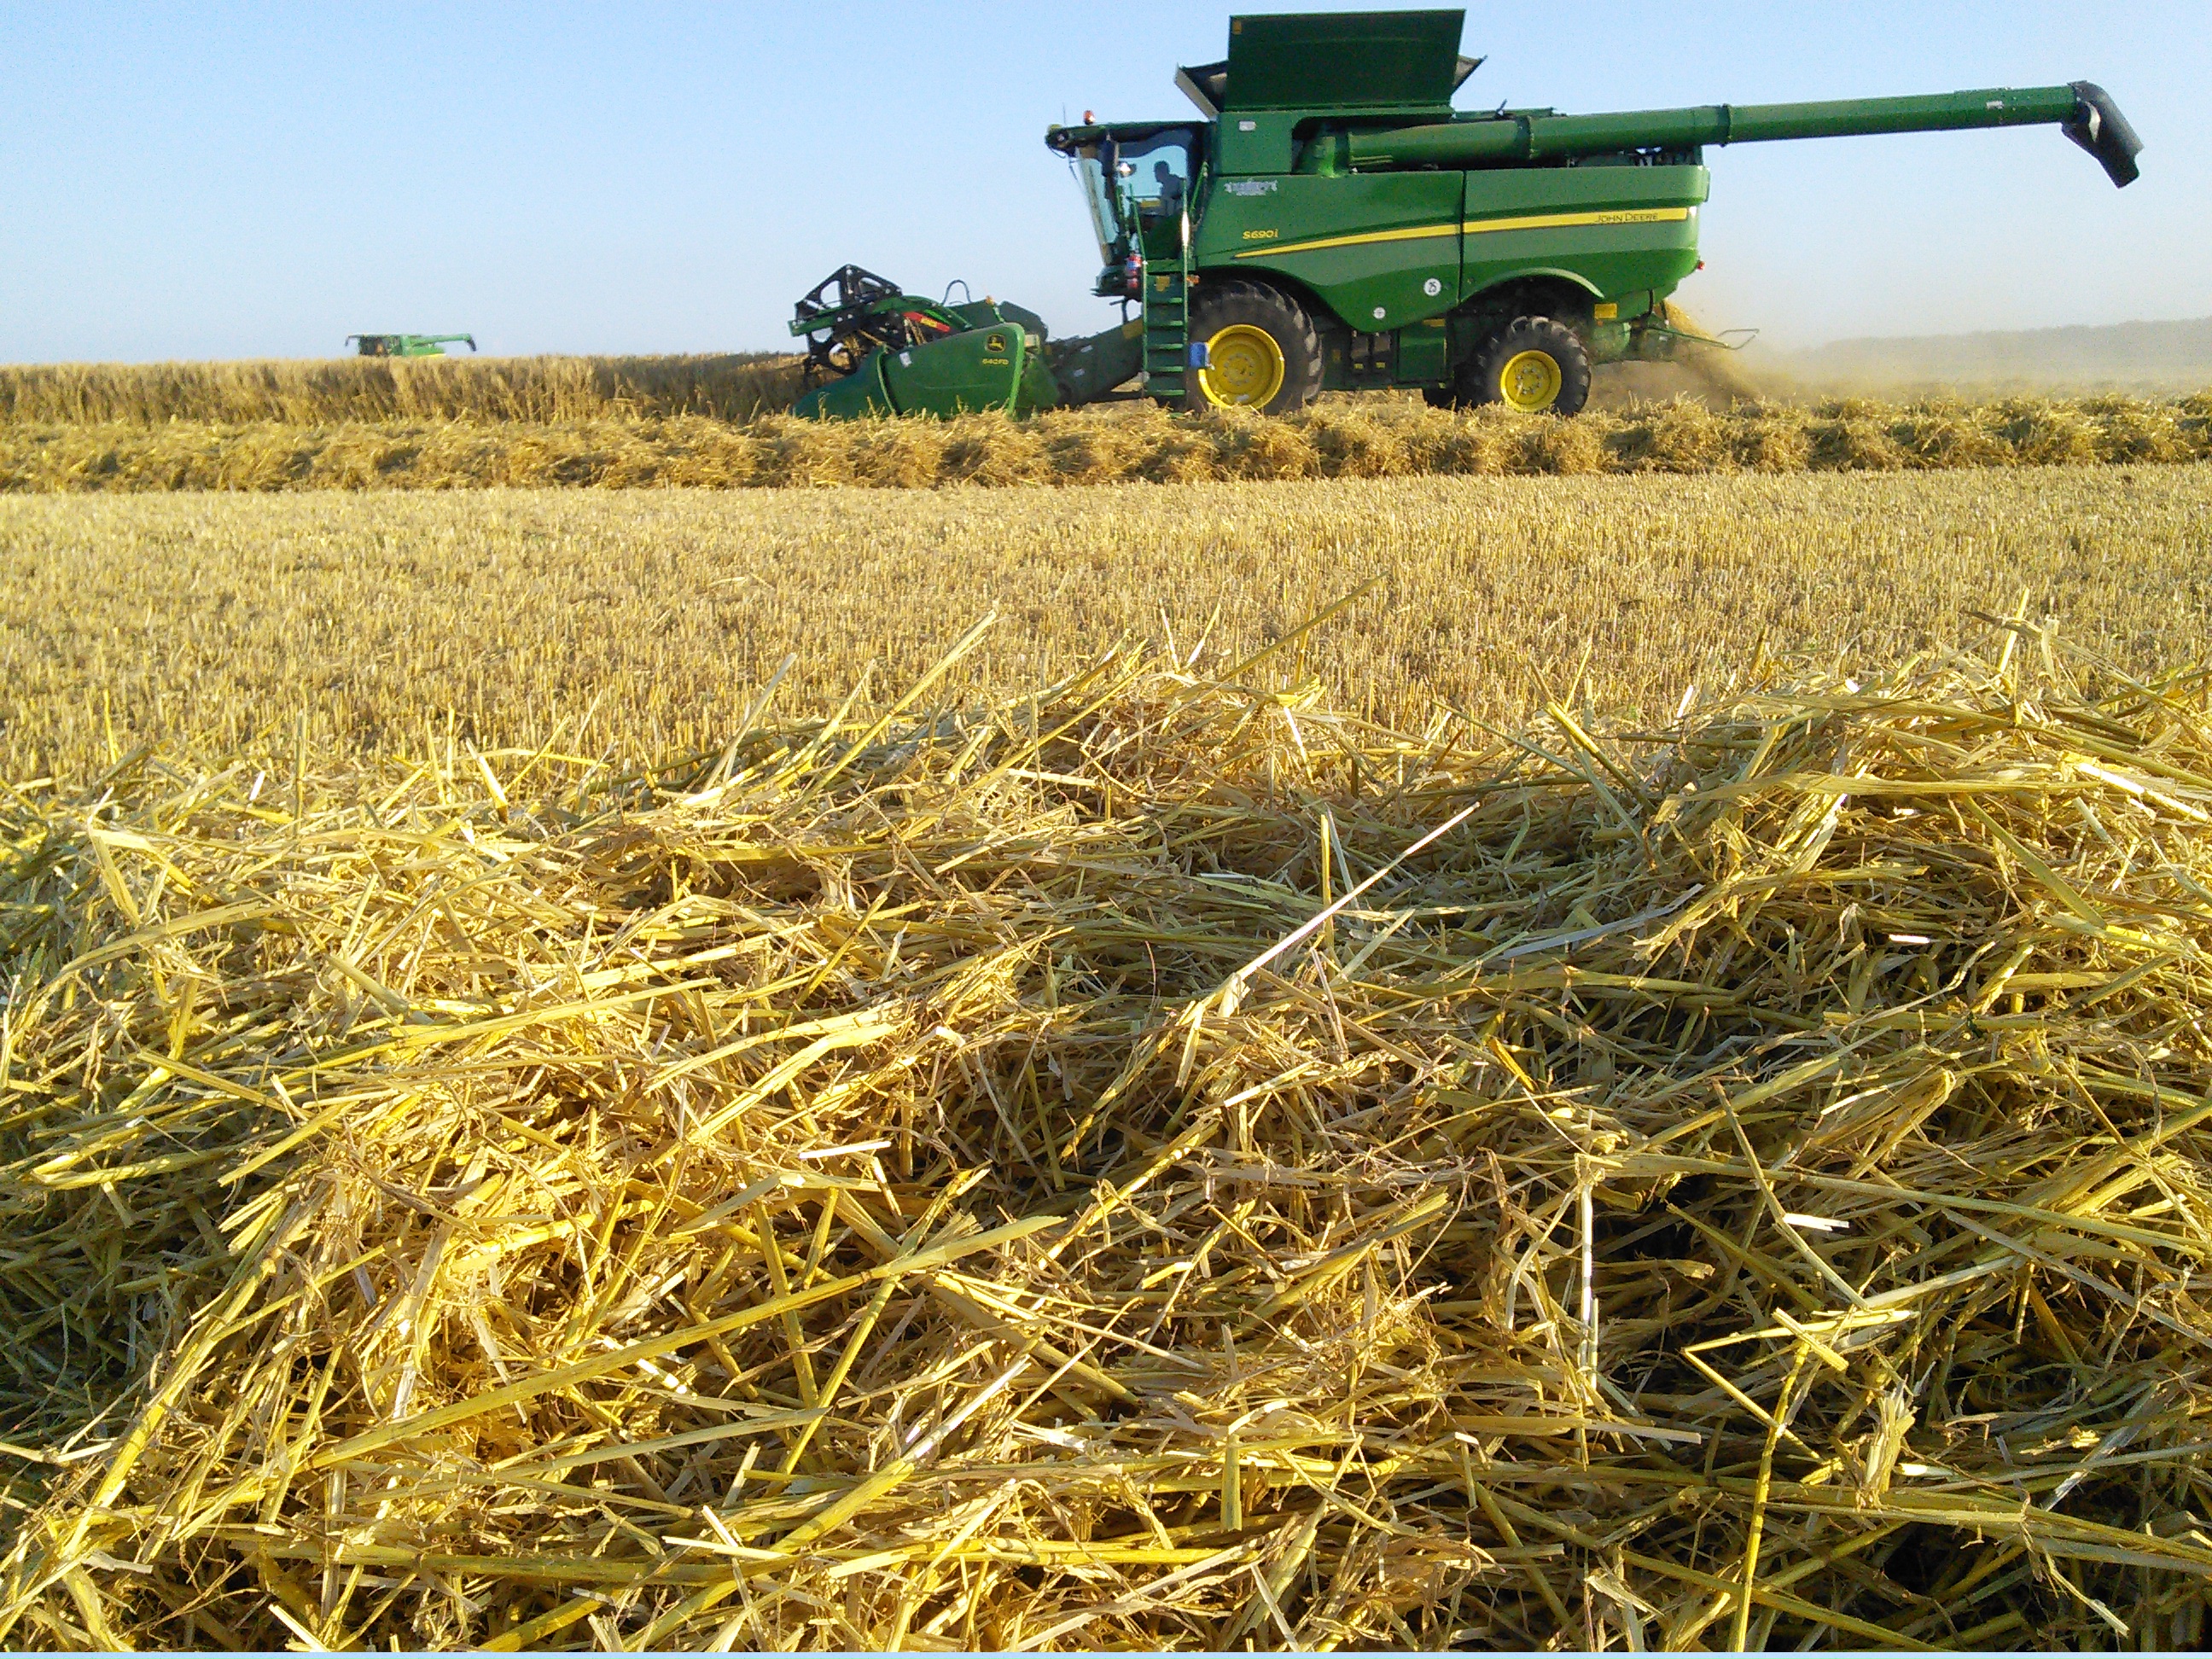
[[1606, 1061], [646, 623]]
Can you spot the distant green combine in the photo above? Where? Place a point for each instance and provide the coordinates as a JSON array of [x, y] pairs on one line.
[[408, 345]]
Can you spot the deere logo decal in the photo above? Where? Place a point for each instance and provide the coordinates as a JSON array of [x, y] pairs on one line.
[[996, 343]]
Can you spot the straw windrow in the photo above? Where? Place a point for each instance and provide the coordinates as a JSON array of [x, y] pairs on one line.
[[894, 1184], [1355, 437]]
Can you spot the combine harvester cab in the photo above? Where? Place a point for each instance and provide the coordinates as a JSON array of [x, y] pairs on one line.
[[1332, 223]]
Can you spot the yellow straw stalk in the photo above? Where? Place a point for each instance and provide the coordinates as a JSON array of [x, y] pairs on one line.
[[1151, 1162]]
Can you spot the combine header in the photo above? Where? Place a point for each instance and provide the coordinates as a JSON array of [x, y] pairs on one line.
[[1332, 222], [872, 350]]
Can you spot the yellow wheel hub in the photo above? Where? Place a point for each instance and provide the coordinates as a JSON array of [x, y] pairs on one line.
[[1531, 380], [1244, 367]]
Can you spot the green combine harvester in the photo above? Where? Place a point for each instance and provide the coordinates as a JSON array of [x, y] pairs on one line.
[[1332, 223], [408, 345]]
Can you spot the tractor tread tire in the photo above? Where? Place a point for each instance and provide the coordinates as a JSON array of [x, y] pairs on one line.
[[1479, 380], [1220, 305]]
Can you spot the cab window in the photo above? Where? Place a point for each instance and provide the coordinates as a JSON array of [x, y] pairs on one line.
[[1158, 178]]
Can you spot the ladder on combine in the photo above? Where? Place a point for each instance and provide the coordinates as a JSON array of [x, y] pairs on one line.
[[1167, 324]]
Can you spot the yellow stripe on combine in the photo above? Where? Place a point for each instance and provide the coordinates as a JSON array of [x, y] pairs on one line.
[[1472, 227], [1413, 233], [1614, 216]]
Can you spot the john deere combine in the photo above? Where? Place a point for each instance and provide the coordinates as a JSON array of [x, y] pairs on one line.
[[1331, 223], [408, 345]]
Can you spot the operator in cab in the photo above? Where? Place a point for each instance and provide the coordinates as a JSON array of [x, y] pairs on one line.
[[1170, 185]]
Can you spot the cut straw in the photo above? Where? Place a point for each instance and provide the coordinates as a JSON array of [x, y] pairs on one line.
[[999, 1177]]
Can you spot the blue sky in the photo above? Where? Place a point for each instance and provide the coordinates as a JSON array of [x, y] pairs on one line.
[[225, 181]]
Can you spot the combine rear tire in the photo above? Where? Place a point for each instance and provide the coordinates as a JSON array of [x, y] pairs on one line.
[[1262, 351], [1532, 364]]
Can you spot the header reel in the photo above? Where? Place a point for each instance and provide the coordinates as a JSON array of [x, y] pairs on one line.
[[853, 311]]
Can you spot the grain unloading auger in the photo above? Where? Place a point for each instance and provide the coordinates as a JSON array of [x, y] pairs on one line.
[[1332, 223]]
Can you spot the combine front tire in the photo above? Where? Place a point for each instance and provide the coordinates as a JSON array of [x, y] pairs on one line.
[[1533, 364], [1261, 349]]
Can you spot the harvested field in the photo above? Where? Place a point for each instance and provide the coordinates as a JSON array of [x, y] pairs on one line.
[[1149, 1163], [1352, 437], [646, 623]]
